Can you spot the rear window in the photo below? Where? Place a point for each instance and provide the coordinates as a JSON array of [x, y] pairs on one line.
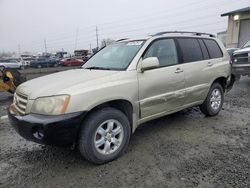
[[190, 49], [213, 48]]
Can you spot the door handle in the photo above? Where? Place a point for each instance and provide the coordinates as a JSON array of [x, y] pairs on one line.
[[178, 70], [209, 64]]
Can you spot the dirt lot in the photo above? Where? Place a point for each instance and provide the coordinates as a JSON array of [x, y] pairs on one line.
[[185, 149]]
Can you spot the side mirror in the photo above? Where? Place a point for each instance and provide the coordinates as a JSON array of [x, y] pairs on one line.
[[149, 63]]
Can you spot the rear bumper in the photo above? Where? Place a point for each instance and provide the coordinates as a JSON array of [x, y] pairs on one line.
[[59, 130]]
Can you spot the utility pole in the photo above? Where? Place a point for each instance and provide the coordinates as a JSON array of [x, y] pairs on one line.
[[45, 46], [76, 38], [97, 42], [90, 49], [19, 49]]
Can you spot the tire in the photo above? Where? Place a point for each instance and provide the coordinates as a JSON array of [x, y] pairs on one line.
[[2, 68], [96, 122], [212, 107], [39, 66]]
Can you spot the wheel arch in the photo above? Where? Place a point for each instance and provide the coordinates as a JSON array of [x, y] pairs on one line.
[[222, 81], [123, 105]]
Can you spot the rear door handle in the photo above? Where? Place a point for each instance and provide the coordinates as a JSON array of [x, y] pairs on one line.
[[209, 64], [178, 70]]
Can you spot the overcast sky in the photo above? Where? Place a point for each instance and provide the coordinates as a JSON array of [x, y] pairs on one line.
[[29, 22]]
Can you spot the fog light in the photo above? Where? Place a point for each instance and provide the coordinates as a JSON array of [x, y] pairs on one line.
[[39, 133]]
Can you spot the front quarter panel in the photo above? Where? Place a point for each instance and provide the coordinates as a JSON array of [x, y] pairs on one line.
[[86, 96]]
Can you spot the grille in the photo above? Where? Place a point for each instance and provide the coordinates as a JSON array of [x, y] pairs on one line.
[[20, 102], [242, 58]]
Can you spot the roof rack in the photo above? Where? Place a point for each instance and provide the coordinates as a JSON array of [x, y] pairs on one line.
[[122, 39], [183, 32]]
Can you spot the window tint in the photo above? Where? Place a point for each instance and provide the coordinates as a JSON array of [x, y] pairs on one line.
[[213, 48], [191, 50], [203, 49], [164, 50]]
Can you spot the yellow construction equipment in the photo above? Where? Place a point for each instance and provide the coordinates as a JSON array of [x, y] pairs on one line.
[[8, 81]]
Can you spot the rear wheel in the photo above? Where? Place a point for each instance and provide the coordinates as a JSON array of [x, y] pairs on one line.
[[104, 135], [214, 101]]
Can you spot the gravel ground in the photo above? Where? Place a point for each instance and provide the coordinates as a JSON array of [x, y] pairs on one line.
[[185, 149]]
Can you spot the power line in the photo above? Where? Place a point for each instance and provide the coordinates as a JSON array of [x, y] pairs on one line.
[[121, 34], [166, 12], [82, 35]]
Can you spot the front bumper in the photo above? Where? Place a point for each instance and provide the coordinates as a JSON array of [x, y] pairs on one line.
[[241, 69], [61, 130]]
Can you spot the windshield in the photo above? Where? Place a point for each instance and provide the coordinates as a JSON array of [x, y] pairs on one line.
[[247, 44], [117, 56]]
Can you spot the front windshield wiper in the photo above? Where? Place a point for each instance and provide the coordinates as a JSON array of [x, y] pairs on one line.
[[97, 68]]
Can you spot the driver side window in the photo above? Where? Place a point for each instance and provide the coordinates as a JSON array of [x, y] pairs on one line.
[[164, 50]]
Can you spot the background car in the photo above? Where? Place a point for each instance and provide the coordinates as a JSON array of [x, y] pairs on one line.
[[44, 62], [241, 61], [10, 64], [71, 62], [231, 51]]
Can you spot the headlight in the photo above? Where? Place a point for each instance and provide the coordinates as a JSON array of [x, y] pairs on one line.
[[54, 105]]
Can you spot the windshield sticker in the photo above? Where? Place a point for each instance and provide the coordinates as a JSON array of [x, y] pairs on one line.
[[134, 43]]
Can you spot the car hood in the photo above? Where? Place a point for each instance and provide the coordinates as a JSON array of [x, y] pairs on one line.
[[57, 83], [243, 50]]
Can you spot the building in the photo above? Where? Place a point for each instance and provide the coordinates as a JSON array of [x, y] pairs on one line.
[[223, 37], [238, 30]]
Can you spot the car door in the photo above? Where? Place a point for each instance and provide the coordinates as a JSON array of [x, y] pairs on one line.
[[14, 64], [11, 64], [162, 89], [198, 69], [74, 62]]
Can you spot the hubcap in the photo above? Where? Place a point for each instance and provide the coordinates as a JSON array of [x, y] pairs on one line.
[[108, 137], [215, 99]]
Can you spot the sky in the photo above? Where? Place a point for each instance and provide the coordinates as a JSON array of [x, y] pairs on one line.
[[26, 25]]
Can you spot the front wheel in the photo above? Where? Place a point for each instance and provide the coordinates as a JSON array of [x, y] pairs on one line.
[[104, 135], [214, 101]]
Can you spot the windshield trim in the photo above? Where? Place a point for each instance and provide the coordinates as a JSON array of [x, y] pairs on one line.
[[118, 69]]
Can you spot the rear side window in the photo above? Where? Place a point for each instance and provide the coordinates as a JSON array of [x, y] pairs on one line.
[[190, 49], [213, 48], [203, 49], [164, 50]]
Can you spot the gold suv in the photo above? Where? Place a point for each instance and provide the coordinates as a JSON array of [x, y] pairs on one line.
[[125, 84]]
